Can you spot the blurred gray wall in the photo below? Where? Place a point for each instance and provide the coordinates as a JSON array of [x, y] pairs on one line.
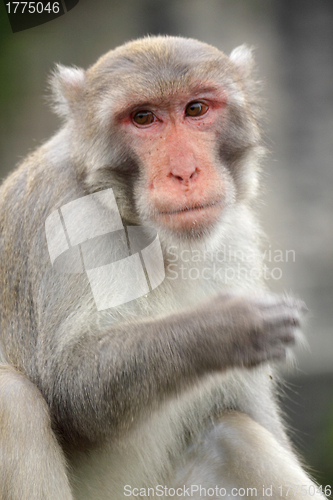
[[293, 41]]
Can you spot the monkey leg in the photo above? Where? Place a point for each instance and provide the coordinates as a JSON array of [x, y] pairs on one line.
[[239, 458], [32, 465]]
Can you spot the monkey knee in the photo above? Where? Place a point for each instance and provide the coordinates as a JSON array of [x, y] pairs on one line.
[[21, 404], [237, 427], [247, 445], [32, 464]]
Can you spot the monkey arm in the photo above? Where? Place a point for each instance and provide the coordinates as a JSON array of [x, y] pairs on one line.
[[96, 378]]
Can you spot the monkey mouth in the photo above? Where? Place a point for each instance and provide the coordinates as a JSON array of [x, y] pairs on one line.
[[195, 217], [193, 208]]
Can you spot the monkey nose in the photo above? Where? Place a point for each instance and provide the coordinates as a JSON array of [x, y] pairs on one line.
[[184, 176]]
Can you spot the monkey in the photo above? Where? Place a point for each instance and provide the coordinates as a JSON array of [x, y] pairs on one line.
[[169, 391]]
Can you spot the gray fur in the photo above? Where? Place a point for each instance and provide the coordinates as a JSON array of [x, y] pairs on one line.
[[169, 388]]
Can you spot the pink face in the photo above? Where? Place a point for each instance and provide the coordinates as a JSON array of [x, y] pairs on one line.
[[176, 145]]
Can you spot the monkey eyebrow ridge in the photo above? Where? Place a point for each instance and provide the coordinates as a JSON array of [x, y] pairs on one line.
[[163, 101]]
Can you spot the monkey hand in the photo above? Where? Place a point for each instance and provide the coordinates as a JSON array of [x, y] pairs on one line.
[[252, 330]]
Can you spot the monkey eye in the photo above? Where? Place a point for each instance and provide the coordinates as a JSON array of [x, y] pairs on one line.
[[143, 118], [196, 109]]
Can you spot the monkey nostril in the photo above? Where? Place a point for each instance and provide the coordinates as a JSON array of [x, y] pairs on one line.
[[185, 178]]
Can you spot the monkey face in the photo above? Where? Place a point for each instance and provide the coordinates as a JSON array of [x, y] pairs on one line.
[[173, 131], [182, 187]]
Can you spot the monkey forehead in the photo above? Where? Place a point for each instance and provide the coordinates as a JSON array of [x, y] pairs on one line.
[[159, 67]]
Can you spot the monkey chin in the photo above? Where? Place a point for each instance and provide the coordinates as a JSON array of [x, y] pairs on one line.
[[194, 222]]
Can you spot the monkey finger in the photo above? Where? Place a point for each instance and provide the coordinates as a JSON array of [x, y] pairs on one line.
[[258, 357], [286, 335], [270, 301], [283, 318]]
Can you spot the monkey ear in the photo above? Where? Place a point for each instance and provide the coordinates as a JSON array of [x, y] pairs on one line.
[[242, 58], [67, 87]]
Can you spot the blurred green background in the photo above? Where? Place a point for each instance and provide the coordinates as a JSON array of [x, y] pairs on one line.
[[294, 51]]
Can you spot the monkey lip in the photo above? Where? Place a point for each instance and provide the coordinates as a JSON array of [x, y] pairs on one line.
[[190, 209], [191, 217]]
